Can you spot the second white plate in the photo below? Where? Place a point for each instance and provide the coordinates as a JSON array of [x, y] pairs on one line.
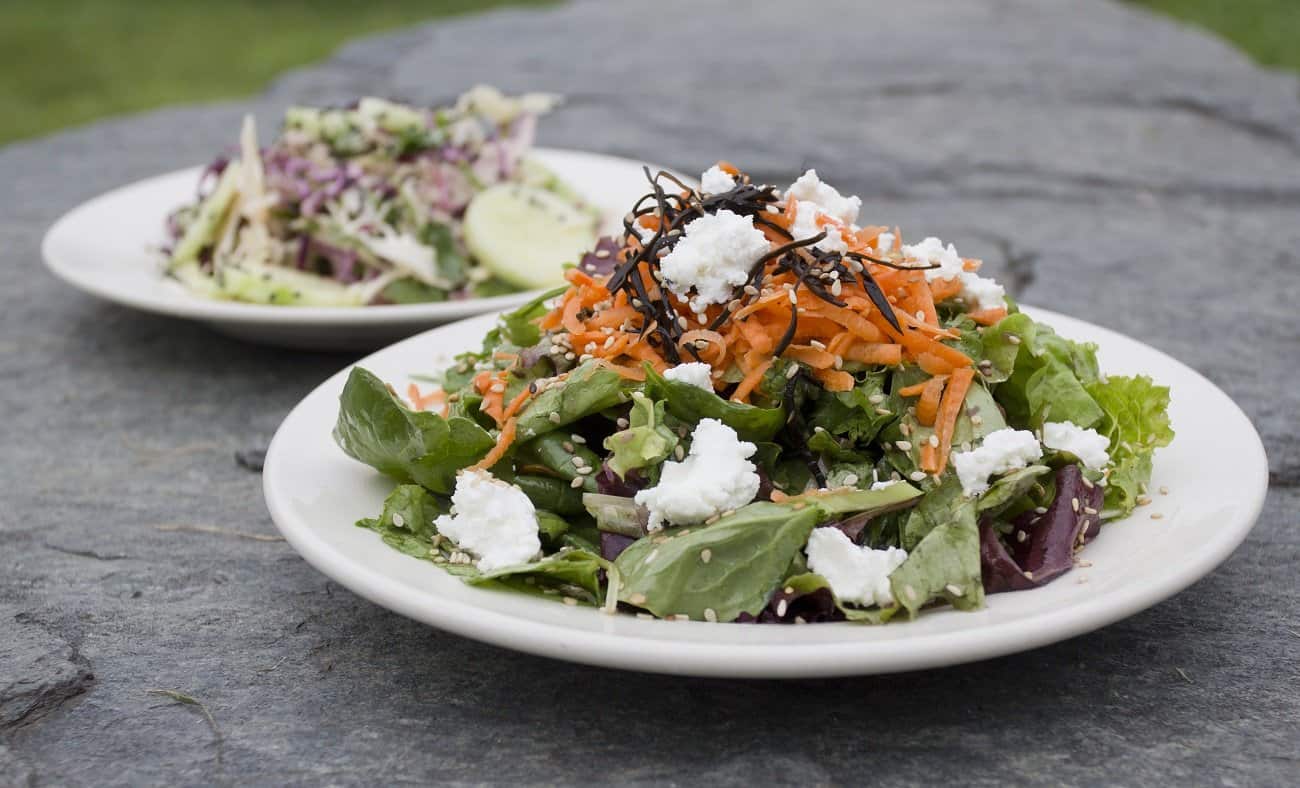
[[1215, 473], [106, 247]]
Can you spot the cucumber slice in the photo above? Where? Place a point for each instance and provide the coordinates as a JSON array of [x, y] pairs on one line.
[[207, 223], [524, 234], [189, 274], [264, 284], [534, 173]]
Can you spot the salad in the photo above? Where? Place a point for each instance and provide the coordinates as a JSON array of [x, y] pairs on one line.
[[382, 203], [748, 408]]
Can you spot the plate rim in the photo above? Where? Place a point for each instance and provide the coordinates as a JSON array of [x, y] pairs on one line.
[[195, 307], [783, 660]]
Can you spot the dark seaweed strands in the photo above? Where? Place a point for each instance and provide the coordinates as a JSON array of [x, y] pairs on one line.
[[814, 269]]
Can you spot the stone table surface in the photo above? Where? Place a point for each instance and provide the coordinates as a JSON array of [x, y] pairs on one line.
[[1106, 163]]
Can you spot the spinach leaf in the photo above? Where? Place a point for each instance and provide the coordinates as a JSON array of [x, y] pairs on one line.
[[555, 452], [647, 440], [943, 504], [1055, 394], [944, 565], [1009, 489], [520, 326], [452, 265], [590, 388], [727, 568], [823, 443], [691, 403], [1137, 422], [571, 573], [855, 414], [834, 503], [802, 585], [1002, 342], [410, 446]]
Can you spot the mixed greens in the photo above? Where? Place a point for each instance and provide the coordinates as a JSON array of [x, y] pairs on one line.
[[382, 203], [750, 408]]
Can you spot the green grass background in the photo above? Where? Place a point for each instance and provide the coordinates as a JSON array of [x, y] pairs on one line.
[[65, 62]]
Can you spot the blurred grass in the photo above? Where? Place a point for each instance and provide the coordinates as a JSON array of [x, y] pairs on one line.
[[1267, 30], [65, 62]]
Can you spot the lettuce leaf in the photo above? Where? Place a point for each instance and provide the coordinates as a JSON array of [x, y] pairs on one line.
[[375, 428], [590, 388], [691, 403], [520, 326], [571, 573], [1136, 419], [852, 414], [944, 565], [647, 440]]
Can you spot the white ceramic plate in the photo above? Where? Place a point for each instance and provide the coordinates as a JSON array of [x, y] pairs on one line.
[[106, 247], [315, 494]]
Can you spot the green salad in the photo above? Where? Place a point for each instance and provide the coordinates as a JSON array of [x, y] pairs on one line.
[[751, 407], [382, 203]]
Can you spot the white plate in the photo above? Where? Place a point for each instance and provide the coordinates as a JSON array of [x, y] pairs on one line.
[[106, 247], [1215, 471]]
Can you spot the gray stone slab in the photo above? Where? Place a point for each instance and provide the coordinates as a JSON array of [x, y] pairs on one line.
[[1073, 145]]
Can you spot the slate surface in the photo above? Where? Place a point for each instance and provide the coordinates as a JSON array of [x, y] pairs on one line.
[[1106, 163]]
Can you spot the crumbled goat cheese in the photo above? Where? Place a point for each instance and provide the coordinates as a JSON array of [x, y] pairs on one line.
[[1088, 445], [696, 373], [885, 243], [491, 519], [713, 258], [977, 291], [715, 181], [810, 188], [714, 477], [1003, 450], [805, 226], [856, 574]]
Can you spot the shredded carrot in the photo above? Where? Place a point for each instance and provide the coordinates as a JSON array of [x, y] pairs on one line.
[[423, 401], [498, 451], [873, 353], [946, 423], [751, 379], [927, 407], [835, 380], [805, 354], [987, 317]]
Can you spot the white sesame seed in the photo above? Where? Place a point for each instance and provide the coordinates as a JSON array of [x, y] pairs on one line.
[[976, 420], [568, 446], [1089, 510], [570, 601], [782, 607], [706, 555], [916, 476], [586, 470], [1013, 339], [884, 411], [933, 440], [1021, 536], [816, 344], [622, 423], [794, 297], [788, 589], [850, 479], [1157, 516], [1074, 504], [637, 599], [398, 519], [792, 371], [653, 554], [679, 452], [903, 445], [710, 615], [876, 399], [1040, 510], [576, 483], [955, 590], [1164, 490]]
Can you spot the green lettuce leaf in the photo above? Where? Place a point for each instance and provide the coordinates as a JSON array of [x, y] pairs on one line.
[[647, 440], [1137, 423], [590, 388], [748, 555], [375, 428], [520, 326], [571, 573], [853, 414], [691, 403], [944, 565]]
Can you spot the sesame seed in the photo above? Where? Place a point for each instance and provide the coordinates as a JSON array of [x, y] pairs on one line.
[[576, 438], [792, 371], [750, 290], [837, 288], [1021, 536], [1089, 510], [622, 423], [1040, 510], [955, 590], [706, 555], [637, 599], [554, 418], [1143, 500], [794, 297], [653, 554], [586, 470], [1164, 490], [576, 483], [782, 607], [498, 387], [679, 452], [851, 479], [916, 476], [906, 429], [568, 446], [1013, 339], [800, 620], [884, 411], [398, 519], [570, 601], [710, 616], [903, 445], [1157, 516], [933, 440], [1074, 504], [816, 344], [876, 399], [1029, 575], [976, 420]]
